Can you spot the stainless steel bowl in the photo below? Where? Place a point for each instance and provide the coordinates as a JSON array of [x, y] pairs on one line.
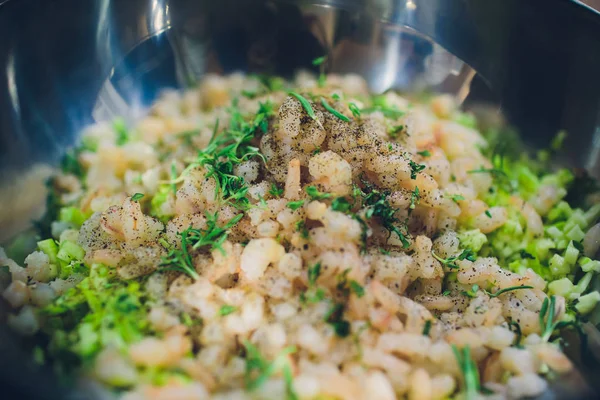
[[67, 63]]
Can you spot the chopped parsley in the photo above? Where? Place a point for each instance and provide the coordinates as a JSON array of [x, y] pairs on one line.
[[457, 197], [427, 328], [313, 294], [275, 191], [341, 204], [315, 194], [226, 310], [301, 227], [415, 169], [488, 213], [526, 255], [424, 153], [357, 288], [137, 197], [121, 132], [319, 60], [335, 318], [517, 331], [395, 131], [471, 292], [414, 199], [294, 205]]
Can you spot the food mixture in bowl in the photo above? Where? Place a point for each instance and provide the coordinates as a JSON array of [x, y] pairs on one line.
[[260, 239]]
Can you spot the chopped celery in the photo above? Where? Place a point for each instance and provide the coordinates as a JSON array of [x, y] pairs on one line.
[[554, 232], [592, 214], [584, 282], [576, 219], [558, 266], [160, 198], [576, 234], [571, 254], [587, 264], [527, 179], [70, 251], [560, 211], [542, 248], [72, 215], [562, 287], [587, 302], [472, 239], [50, 248], [562, 244]]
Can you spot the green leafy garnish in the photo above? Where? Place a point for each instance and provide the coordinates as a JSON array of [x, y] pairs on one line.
[[315, 194], [354, 110], [313, 274], [301, 227], [526, 255], [341, 204], [457, 197], [469, 370], [450, 262], [414, 199], [357, 288], [517, 331], [547, 319], [193, 239], [137, 197], [121, 131], [427, 328], [335, 318], [259, 370], [319, 60], [395, 131], [488, 213], [275, 191], [306, 104], [313, 294], [333, 111], [294, 205], [508, 289], [415, 169], [471, 292], [424, 153], [226, 310]]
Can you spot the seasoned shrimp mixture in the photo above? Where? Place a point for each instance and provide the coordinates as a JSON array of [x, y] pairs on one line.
[[255, 238]]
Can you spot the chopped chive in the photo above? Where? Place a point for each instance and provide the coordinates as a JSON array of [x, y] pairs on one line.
[[424, 153], [427, 328], [334, 111], [319, 60], [226, 310]]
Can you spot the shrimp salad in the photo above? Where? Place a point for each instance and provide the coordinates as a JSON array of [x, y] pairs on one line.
[[255, 238]]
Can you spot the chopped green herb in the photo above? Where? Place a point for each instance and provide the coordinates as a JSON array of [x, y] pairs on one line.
[[424, 153], [446, 293], [275, 191], [301, 227], [294, 205], [427, 328], [137, 197], [173, 177], [526, 255], [306, 104], [249, 93], [121, 131], [354, 110], [319, 60], [517, 331], [333, 111], [547, 319], [335, 96], [335, 317], [356, 287], [414, 199], [508, 289], [214, 236], [340, 204], [316, 151], [315, 194], [415, 169], [259, 370], [395, 131], [388, 112], [469, 371], [457, 197], [488, 213], [450, 262], [471, 292], [226, 310], [313, 274]]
